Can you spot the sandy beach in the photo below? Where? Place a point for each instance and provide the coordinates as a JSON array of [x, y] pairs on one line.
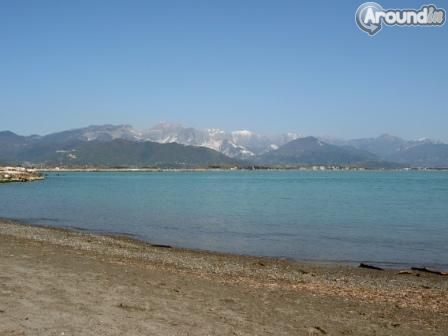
[[61, 282]]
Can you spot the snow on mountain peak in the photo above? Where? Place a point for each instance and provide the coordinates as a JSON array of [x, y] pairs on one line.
[[243, 133], [215, 131], [292, 136], [166, 126], [242, 144]]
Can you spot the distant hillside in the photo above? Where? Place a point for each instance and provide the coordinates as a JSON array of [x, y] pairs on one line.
[[381, 146], [425, 155], [312, 151], [414, 153], [74, 147], [11, 144], [116, 153], [240, 144]]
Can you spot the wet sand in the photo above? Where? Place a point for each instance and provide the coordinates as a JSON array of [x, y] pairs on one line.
[[60, 282]]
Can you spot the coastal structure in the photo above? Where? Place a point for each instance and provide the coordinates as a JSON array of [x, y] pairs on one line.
[[19, 174]]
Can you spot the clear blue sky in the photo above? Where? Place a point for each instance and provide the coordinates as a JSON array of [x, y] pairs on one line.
[[269, 66]]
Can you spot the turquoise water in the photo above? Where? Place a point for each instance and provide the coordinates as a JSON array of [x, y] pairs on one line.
[[389, 218]]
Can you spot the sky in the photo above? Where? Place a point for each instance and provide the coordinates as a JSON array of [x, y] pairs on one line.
[[265, 65]]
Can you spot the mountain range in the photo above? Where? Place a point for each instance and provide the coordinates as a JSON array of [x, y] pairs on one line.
[[68, 149], [240, 144], [172, 145], [312, 151]]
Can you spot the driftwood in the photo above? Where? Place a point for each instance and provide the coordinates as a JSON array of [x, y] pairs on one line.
[[362, 265], [427, 270], [161, 246]]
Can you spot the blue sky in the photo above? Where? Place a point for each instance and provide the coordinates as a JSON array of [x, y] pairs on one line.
[[269, 66]]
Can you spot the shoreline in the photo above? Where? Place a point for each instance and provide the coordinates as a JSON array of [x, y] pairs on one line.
[[386, 266], [86, 267], [271, 169]]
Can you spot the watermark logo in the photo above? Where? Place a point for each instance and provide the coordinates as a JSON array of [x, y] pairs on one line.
[[370, 17]]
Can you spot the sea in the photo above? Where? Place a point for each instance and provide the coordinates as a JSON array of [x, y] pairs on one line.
[[387, 218]]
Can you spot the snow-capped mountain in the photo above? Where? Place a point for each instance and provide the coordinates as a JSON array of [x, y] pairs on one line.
[[242, 144], [95, 133], [281, 149]]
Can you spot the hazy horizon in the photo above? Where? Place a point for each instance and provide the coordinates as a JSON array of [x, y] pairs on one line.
[[228, 131], [269, 67]]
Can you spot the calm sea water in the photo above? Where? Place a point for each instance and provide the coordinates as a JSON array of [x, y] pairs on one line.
[[389, 218]]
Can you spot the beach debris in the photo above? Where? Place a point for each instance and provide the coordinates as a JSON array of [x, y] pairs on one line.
[[362, 265], [316, 331], [405, 272], [129, 307], [161, 245], [427, 270]]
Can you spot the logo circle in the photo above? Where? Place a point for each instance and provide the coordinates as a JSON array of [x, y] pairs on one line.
[[368, 9]]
